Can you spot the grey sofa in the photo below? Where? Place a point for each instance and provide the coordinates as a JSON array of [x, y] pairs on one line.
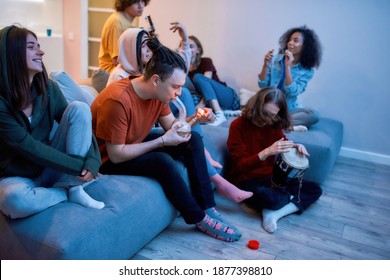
[[136, 207]]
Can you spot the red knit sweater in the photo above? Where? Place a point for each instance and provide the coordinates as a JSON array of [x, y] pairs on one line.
[[244, 144]]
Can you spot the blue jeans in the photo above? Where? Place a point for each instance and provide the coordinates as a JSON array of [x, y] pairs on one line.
[[304, 116], [264, 196], [21, 197], [160, 164], [210, 89]]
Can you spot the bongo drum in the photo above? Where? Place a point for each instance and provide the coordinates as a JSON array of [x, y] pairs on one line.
[[288, 166]]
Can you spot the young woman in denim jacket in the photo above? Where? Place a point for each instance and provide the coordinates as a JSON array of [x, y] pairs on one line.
[[291, 70]]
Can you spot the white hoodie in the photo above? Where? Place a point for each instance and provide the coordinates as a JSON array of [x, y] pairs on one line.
[[128, 61]]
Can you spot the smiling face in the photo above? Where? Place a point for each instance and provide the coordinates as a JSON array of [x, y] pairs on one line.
[[295, 44], [171, 88], [33, 56]]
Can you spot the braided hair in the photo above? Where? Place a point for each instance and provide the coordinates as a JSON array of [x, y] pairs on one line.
[[163, 61]]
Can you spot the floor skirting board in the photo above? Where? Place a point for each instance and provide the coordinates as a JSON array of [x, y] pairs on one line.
[[364, 155]]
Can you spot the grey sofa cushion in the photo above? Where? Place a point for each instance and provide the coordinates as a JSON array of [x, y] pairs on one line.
[[99, 79], [71, 90], [136, 211]]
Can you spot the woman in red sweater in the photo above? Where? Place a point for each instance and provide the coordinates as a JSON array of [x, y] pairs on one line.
[[254, 140]]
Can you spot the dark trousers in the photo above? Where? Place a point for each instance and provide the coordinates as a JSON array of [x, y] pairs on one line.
[[160, 164], [265, 196]]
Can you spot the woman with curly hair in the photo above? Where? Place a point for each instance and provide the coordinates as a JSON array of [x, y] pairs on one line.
[[291, 69]]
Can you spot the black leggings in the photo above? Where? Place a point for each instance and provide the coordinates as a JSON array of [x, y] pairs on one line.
[[265, 196], [160, 164]]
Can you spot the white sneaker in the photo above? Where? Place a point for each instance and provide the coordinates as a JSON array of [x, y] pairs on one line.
[[220, 118], [232, 113]]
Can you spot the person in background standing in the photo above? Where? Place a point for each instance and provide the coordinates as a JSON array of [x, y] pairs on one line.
[[116, 24]]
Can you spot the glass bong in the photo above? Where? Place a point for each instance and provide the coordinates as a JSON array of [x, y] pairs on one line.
[[186, 126]]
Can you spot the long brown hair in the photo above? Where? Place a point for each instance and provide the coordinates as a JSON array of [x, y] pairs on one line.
[[17, 71], [200, 54], [255, 112]]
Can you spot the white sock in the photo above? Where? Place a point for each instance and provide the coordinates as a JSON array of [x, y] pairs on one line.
[[271, 217], [78, 195], [300, 128], [245, 95]]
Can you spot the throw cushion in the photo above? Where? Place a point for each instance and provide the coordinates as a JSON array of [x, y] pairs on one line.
[[70, 89]]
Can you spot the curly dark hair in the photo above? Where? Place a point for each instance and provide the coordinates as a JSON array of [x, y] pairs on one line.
[[311, 51], [254, 110], [121, 5]]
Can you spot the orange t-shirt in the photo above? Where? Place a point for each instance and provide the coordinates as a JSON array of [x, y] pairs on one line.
[[120, 116]]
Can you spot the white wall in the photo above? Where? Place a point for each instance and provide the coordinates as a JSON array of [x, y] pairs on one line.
[[351, 85], [36, 15], [75, 34]]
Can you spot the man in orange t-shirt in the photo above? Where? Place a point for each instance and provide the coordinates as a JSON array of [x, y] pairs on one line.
[[123, 115]]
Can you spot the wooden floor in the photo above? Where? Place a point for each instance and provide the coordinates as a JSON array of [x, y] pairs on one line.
[[351, 220]]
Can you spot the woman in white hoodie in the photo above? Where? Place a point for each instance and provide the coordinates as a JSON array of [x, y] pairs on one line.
[[133, 56]]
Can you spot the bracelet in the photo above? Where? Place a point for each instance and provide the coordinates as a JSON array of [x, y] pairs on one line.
[[162, 138]]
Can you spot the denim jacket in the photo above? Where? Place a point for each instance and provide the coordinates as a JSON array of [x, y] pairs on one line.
[[301, 76]]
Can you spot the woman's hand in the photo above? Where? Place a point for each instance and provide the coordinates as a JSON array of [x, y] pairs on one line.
[[268, 57], [205, 115], [279, 147], [288, 58], [86, 176], [177, 26], [301, 149]]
